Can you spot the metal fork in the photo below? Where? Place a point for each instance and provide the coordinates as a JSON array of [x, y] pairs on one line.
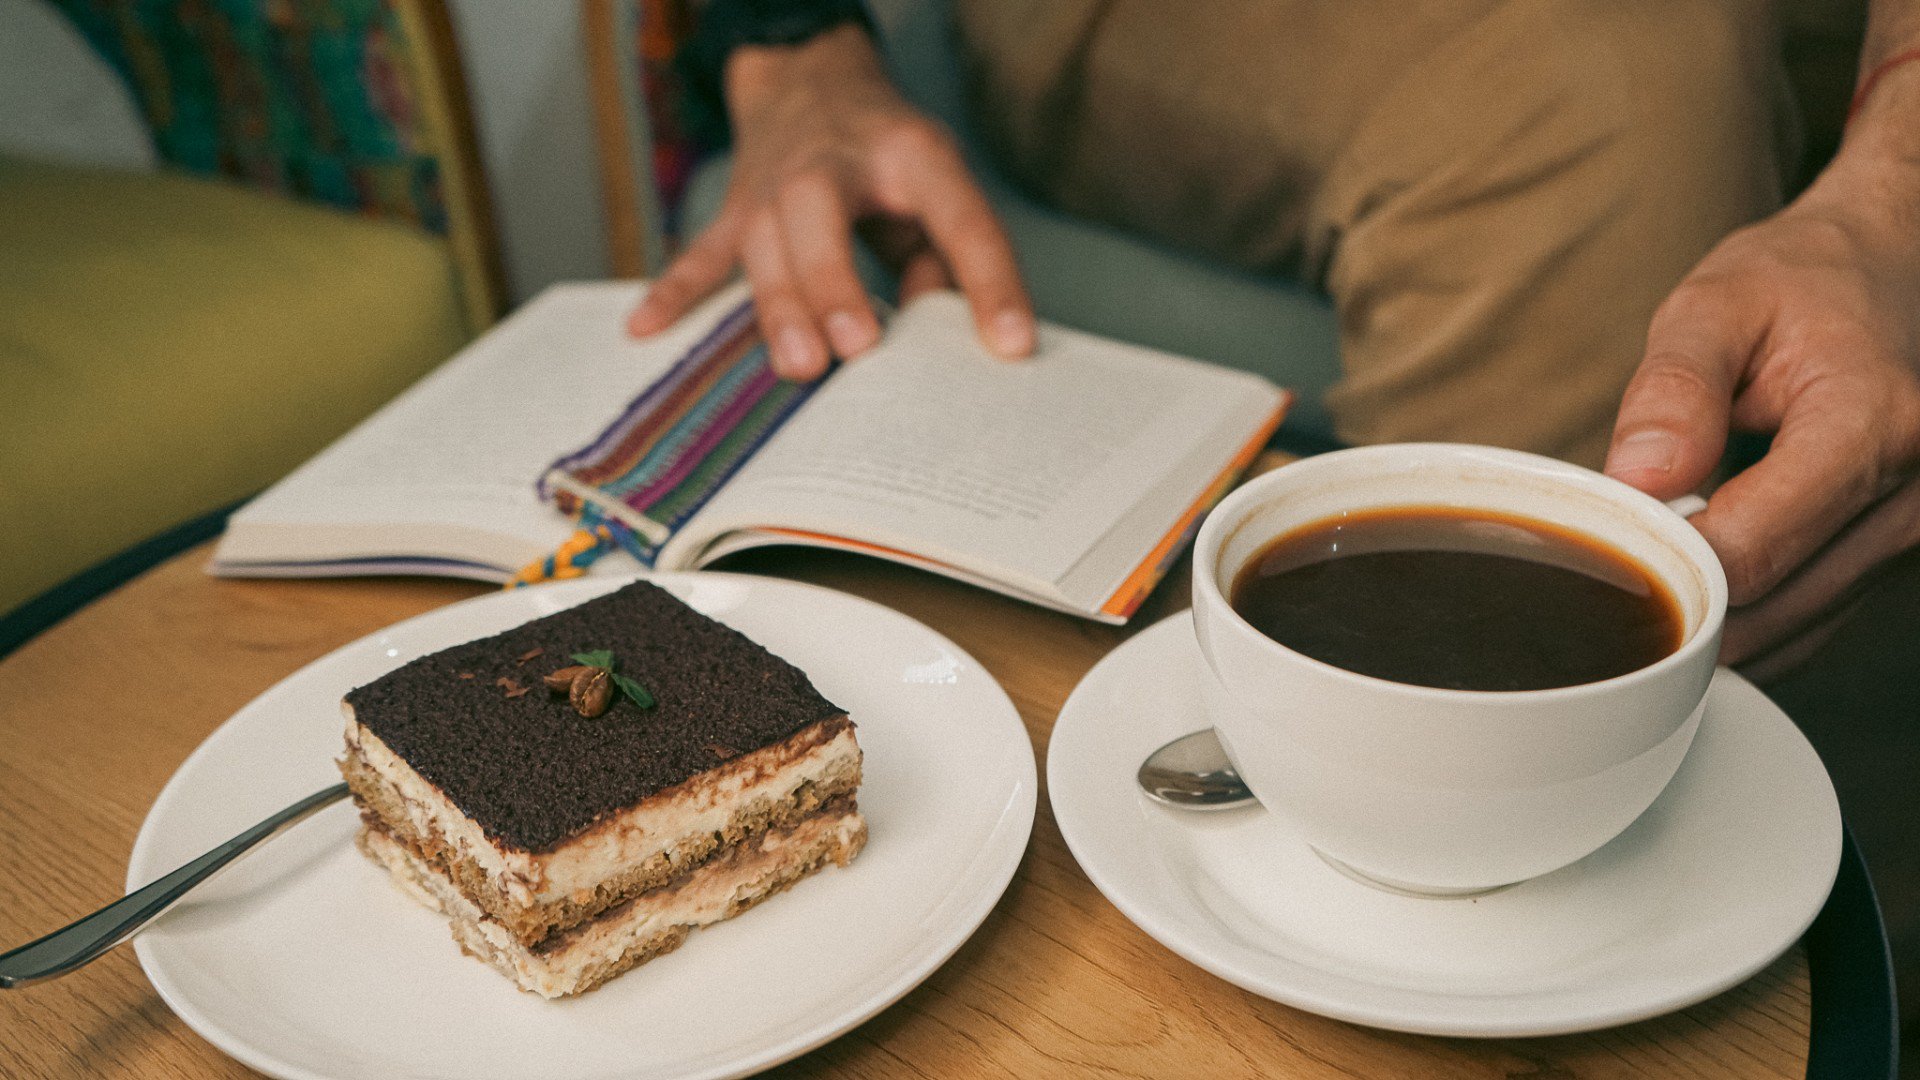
[[80, 942]]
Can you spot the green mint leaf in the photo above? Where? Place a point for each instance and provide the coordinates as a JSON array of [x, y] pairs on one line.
[[598, 658], [634, 691]]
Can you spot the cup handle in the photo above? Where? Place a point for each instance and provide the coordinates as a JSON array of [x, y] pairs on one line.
[[1687, 505]]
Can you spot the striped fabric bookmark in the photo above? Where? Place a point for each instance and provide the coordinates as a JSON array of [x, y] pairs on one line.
[[669, 451]]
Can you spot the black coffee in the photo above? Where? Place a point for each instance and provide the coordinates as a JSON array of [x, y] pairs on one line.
[[1461, 599]]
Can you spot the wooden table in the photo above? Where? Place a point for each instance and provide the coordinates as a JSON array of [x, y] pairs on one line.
[[97, 713]]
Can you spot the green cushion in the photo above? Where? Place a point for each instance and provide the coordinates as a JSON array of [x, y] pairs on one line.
[[169, 344]]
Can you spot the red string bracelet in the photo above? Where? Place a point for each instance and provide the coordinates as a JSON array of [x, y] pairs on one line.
[[1860, 96]]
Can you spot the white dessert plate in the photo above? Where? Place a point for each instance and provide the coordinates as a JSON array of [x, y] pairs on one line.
[[1719, 877], [303, 960]]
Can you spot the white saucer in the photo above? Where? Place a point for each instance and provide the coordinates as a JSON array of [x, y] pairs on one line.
[[303, 960], [1718, 878]]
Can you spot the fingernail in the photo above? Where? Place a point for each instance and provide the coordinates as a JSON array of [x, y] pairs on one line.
[[1643, 451], [792, 353], [1012, 334], [849, 333]]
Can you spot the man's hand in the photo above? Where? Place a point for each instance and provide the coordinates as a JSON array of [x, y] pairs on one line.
[[1805, 325], [823, 142]]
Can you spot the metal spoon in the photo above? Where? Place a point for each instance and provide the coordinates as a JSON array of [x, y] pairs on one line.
[[1192, 772], [74, 945]]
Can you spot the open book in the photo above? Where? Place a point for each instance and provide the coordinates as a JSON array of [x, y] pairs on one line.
[[1070, 480]]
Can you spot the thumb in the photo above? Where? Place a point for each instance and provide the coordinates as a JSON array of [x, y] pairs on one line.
[[1675, 413]]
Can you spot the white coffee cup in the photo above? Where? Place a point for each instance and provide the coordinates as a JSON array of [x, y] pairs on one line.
[[1446, 791]]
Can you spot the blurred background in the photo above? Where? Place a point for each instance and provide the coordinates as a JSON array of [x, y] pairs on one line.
[[61, 100]]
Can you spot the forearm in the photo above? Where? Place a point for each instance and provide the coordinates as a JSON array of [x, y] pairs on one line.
[[1882, 144], [726, 29], [1893, 27], [756, 74]]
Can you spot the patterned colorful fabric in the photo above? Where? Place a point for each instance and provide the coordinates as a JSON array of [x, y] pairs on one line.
[[573, 558], [671, 449], [311, 98]]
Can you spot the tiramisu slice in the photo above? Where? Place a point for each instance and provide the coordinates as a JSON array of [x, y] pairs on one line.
[[578, 792]]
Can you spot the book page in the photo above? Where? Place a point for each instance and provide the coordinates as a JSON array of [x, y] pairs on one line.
[[1016, 469], [447, 469]]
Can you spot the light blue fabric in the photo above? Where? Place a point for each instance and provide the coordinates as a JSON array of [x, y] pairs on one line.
[[1096, 278]]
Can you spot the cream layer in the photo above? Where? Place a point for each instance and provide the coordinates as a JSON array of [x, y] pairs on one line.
[[701, 805], [653, 923]]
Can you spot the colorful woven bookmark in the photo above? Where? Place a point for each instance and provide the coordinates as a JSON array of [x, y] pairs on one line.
[[669, 451]]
